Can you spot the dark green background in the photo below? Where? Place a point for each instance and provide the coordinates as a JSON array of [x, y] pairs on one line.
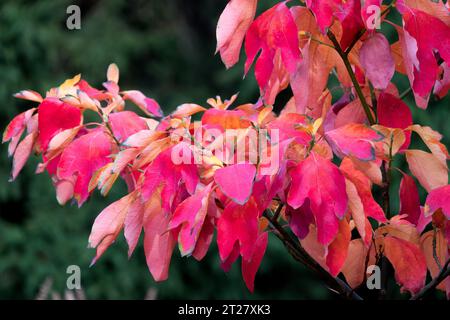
[[166, 49]]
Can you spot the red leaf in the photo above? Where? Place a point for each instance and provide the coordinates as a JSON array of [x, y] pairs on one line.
[[394, 113], [164, 172], [54, 117], [231, 28], [409, 199], [273, 31], [320, 181], [408, 262], [300, 219], [250, 266], [364, 187], [323, 11], [238, 223], [82, 158], [158, 242], [17, 125], [236, 181], [348, 13], [418, 24], [352, 24], [204, 239], [337, 250]]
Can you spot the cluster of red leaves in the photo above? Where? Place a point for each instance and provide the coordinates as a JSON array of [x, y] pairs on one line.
[[322, 202]]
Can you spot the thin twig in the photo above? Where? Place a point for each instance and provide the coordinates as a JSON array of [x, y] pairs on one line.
[[405, 93], [278, 212]]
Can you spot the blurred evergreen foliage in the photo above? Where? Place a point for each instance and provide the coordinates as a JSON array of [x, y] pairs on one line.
[[166, 49]]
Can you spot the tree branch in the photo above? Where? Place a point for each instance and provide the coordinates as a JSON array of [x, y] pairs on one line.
[[348, 66], [298, 253], [445, 272]]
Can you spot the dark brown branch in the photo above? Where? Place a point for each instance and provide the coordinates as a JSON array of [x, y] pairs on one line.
[[445, 272], [299, 254]]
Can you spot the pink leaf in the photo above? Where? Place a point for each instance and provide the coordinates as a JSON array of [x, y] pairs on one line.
[[356, 208], [236, 181], [190, 214], [133, 224], [430, 172], [377, 61], [21, 154], [231, 28], [439, 198], [158, 243], [108, 225], [355, 140], [29, 95], [125, 124], [148, 105]]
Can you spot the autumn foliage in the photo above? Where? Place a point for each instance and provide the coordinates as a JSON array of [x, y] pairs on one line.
[[331, 164]]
